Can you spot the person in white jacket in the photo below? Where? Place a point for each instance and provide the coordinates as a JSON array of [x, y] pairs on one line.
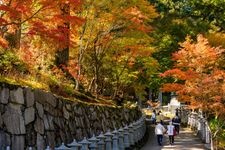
[[159, 131], [170, 132]]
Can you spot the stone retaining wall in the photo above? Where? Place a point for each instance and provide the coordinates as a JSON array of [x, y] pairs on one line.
[[31, 117]]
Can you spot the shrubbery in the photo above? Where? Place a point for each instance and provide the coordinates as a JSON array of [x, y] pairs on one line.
[[9, 62]]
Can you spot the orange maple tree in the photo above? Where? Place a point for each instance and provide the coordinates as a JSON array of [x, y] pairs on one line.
[[40, 17], [31, 26], [197, 76]]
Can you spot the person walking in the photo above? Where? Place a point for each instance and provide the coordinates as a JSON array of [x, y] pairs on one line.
[[153, 118], [159, 131], [159, 117], [176, 122], [171, 132]]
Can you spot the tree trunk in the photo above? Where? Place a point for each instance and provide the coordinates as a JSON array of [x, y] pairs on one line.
[[96, 80], [14, 38], [91, 85], [150, 94], [62, 57], [77, 84]]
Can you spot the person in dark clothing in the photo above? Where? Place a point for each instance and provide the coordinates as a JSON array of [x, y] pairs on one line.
[[177, 112], [153, 117], [176, 122]]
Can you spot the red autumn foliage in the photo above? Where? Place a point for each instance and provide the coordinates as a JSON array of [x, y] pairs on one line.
[[41, 18], [203, 79], [72, 68], [3, 42]]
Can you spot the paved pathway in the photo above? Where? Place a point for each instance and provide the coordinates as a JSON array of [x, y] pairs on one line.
[[186, 140]]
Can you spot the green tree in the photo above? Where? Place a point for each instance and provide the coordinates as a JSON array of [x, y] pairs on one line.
[[177, 20], [111, 29]]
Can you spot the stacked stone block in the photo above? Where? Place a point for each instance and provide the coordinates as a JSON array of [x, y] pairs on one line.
[[36, 118]]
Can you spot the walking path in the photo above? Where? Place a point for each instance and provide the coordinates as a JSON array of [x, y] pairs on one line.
[[186, 140]]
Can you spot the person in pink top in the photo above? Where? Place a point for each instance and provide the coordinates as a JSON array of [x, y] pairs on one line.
[[170, 132]]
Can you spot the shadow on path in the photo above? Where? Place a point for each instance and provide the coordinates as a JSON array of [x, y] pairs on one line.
[[186, 140]]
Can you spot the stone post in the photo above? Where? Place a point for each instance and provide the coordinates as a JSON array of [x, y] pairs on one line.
[[201, 127], [115, 140], [108, 140], [115, 132], [84, 144], [140, 130], [74, 145], [93, 145], [121, 137], [207, 132], [143, 127], [204, 129], [101, 143], [131, 134], [135, 132], [126, 137], [62, 147]]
